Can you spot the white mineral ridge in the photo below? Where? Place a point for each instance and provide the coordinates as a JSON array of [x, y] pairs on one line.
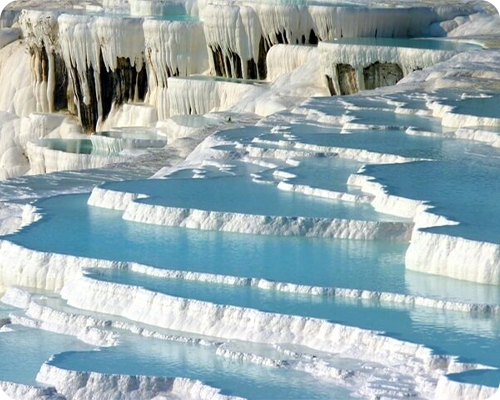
[[264, 284], [256, 22], [17, 297], [46, 263], [48, 271], [220, 23], [475, 25], [15, 391], [86, 385], [172, 48], [452, 256], [88, 329], [130, 115], [299, 150], [13, 217], [267, 225], [200, 95], [230, 322], [434, 253], [111, 199], [323, 193], [384, 202]]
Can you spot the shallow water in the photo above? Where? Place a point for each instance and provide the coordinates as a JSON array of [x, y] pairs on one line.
[[460, 182], [328, 262], [24, 349], [148, 356], [466, 192], [443, 331], [417, 43]]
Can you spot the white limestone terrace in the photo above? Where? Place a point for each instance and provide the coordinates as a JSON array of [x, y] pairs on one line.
[[439, 250], [146, 59], [46, 269], [90, 328]]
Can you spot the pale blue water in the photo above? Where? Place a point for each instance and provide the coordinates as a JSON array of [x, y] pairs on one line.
[[466, 192], [417, 43], [325, 173], [328, 262], [239, 194], [76, 146], [146, 356], [399, 121], [375, 266], [386, 142], [23, 350], [412, 324], [461, 183], [478, 106]]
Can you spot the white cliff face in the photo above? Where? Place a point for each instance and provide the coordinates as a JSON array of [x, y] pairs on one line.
[[172, 48], [101, 61], [41, 37], [282, 59], [102, 54], [233, 56], [16, 96], [199, 95], [453, 256], [261, 26]]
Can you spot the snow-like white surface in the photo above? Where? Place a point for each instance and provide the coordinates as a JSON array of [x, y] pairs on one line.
[[44, 160], [15, 391], [85, 385], [282, 59], [187, 96], [28, 268], [231, 322], [235, 323], [173, 49], [85, 328]]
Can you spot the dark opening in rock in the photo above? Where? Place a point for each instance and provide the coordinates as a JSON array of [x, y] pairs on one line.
[[381, 74]]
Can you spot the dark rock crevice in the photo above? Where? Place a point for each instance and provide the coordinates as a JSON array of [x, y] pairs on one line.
[[348, 81], [381, 74], [117, 86], [331, 87]]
